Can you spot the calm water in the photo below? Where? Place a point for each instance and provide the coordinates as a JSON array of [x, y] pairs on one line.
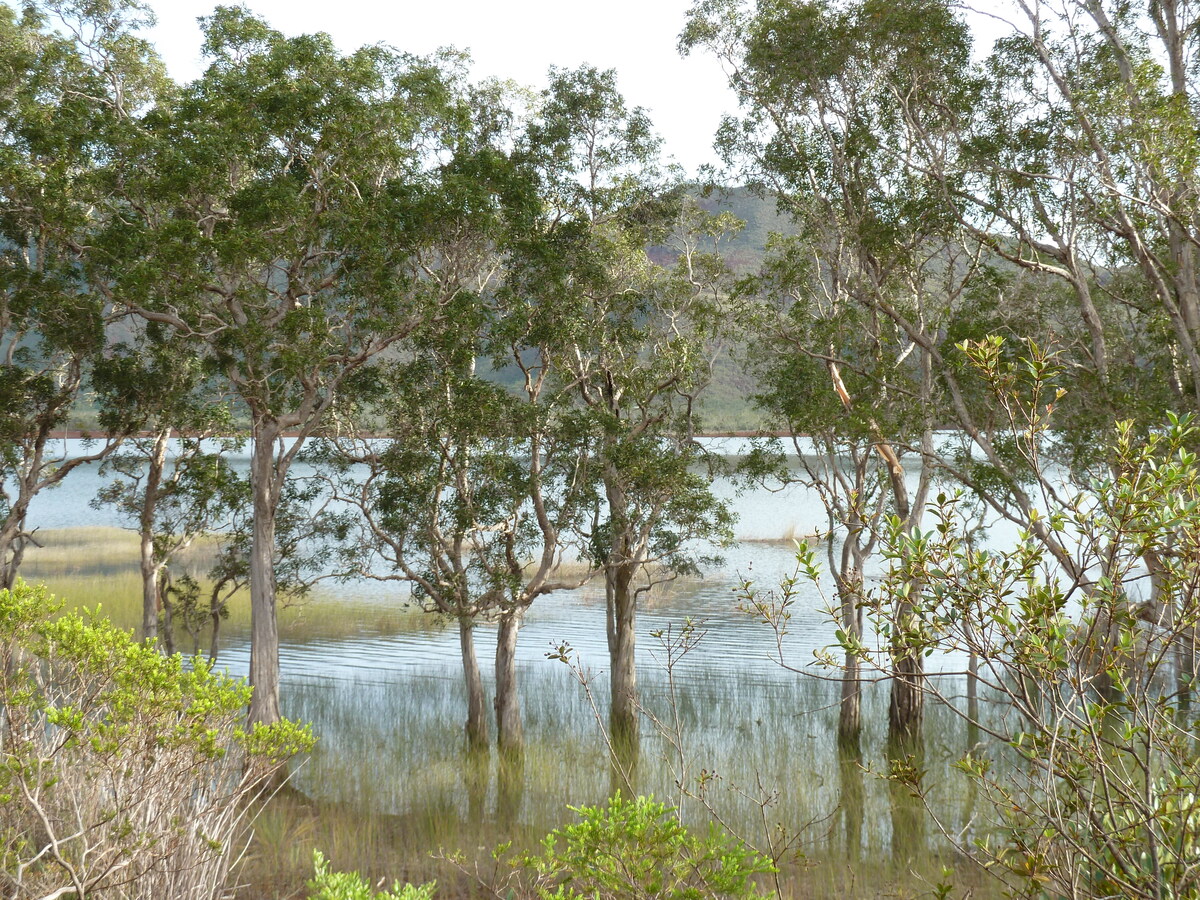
[[389, 710]]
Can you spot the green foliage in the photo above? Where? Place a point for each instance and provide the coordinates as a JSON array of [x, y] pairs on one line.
[[326, 885], [635, 339], [1095, 791], [66, 108], [638, 850], [125, 773]]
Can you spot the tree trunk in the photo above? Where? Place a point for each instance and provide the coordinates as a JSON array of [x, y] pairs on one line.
[[264, 627], [623, 719], [13, 537], [907, 707], [510, 736], [214, 644], [850, 712], [477, 728], [149, 565], [13, 540]]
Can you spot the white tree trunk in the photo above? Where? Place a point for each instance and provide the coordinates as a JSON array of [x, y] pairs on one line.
[[264, 626], [477, 727]]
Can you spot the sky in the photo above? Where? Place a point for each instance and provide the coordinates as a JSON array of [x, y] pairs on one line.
[[517, 39]]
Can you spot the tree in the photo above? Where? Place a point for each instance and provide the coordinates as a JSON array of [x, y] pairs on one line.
[[276, 217], [173, 491], [637, 343], [831, 97], [475, 500], [1086, 158], [69, 103]]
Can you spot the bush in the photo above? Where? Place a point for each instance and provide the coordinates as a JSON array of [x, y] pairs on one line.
[[328, 885], [123, 772], [1092, 788], [639, 850]]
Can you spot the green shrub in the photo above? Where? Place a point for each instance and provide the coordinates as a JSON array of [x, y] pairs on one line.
[[123, 772], [327, 885], [639, 850]]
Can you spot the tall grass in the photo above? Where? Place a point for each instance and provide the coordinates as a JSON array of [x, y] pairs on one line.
[[393, 752]]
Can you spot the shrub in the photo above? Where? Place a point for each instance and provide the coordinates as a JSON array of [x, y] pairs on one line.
[[1089, 666], [123, 772], [328, 885], [639, 850]]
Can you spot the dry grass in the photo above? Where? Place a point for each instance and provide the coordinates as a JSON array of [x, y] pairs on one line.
[[789, 537], [98, 568]]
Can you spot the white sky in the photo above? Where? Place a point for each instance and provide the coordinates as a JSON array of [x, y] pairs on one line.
[[517, 39]]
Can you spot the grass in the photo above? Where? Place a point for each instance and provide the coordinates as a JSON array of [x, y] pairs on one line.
[[98, 568], [789, 537]]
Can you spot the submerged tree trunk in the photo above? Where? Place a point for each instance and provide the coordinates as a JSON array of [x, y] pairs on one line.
[[907, 707], [264, 626], [510, 736], [850, 713], [477, 728]]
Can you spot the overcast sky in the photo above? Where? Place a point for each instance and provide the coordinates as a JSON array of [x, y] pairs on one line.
[[518, 39]]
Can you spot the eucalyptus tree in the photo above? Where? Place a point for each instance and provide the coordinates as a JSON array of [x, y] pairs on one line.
[[637, 344], [476, 496], [166, 480], [1086, 156], [275, 216], [1082, 163], [863, 292], [828, 377], [473, 500], [74, 76]]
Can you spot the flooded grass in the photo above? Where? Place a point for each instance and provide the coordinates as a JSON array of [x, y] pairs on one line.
[[393, 751]]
